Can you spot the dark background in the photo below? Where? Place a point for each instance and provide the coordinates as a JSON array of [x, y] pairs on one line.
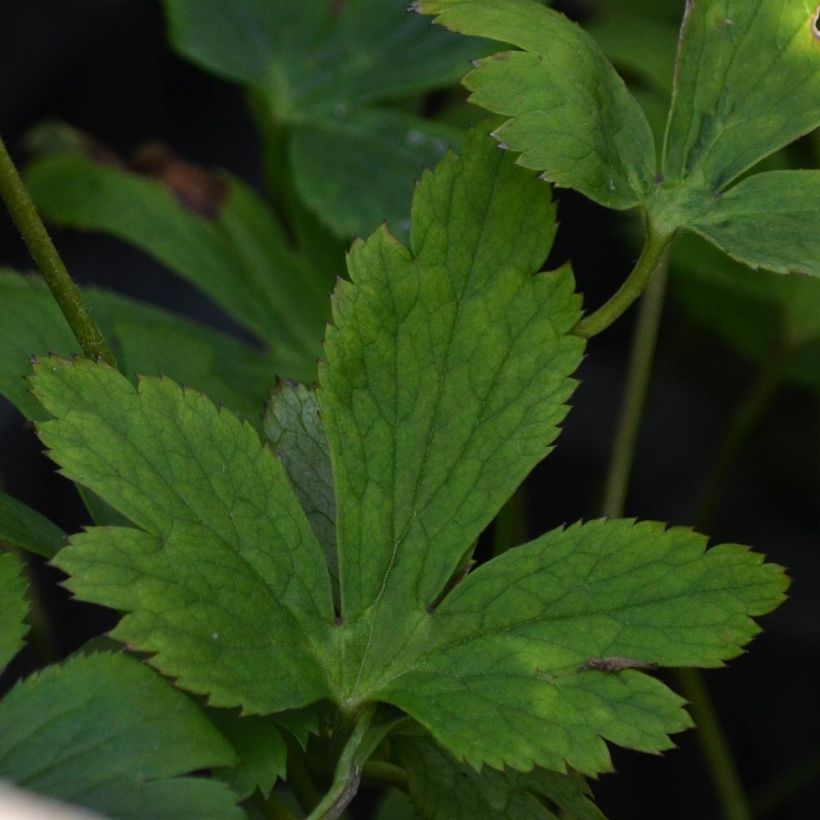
[[103, 66]]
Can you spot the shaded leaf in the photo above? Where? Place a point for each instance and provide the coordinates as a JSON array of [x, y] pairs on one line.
[[334, 160], [145, 339], [13, 610], [442, 789], [105, 732], [260, 750], [239, 258], [26, 529], [571, 114]]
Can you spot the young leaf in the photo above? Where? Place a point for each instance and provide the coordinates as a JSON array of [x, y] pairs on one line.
[[295, 431], [333, 162], [145, 340], [237, 255], [25, 529], [571, 114], [747, 83], [768, 221], [107, 733], [14, 608], [244, 625], [441, 788], [260, 750], [448, 370]]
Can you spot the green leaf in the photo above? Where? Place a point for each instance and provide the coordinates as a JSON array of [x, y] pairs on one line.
[[238, 256], [528, 623], [447, 373], [748, 83], [25, 529], [768, 221], [260, 749], [446, 378], [310, 59], [571, 114], [769, 318], [333, 163], [13, 610], [244, 626], [105, 732], [294, 428], [443, 789], [145, 339]]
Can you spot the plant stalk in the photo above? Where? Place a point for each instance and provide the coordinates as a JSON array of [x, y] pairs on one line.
[[62, 286], [716, 751], [654, 251], [642, 357]]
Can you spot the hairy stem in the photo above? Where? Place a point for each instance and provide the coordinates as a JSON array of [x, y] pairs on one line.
[[65, 292], [654, 252], [642, 357], [348, 773], [710, 735]]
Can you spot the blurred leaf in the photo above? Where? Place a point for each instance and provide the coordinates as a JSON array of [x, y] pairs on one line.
[[13, 610], [145, 339], [25, 529], [106, 732], [442, 788], [571, 115], [238, 255], [359, 171]]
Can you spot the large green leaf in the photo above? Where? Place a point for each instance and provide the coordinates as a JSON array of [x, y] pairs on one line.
[[768, 221], [333, 162], [571, 114], [25, 529], [447, 371], [238, 256], [14, 608], [105, 732], [227, 582], [442, 789], [145, 339], [747, 83]]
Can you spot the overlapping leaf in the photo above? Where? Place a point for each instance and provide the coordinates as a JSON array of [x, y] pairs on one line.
[[448, 370], [237, 254], [25, 529], [320, 68], [145, 340], [105, 732], [747, 83]]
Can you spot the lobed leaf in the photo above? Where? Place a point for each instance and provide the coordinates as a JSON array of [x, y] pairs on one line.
[[747, 83], [107, 733], [571, 114], [14, 609], [238, 256], [224, 581], [24, 528]]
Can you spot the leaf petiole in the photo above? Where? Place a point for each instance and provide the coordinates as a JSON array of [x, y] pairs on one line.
[[655, 247]]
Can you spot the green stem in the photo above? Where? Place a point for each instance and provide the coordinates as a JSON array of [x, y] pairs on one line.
[[42, 249], [716, 750], [299, 779], [274, 807], [642, 357], [348, 773], [510, 528], [773, 795], [654, 251]]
